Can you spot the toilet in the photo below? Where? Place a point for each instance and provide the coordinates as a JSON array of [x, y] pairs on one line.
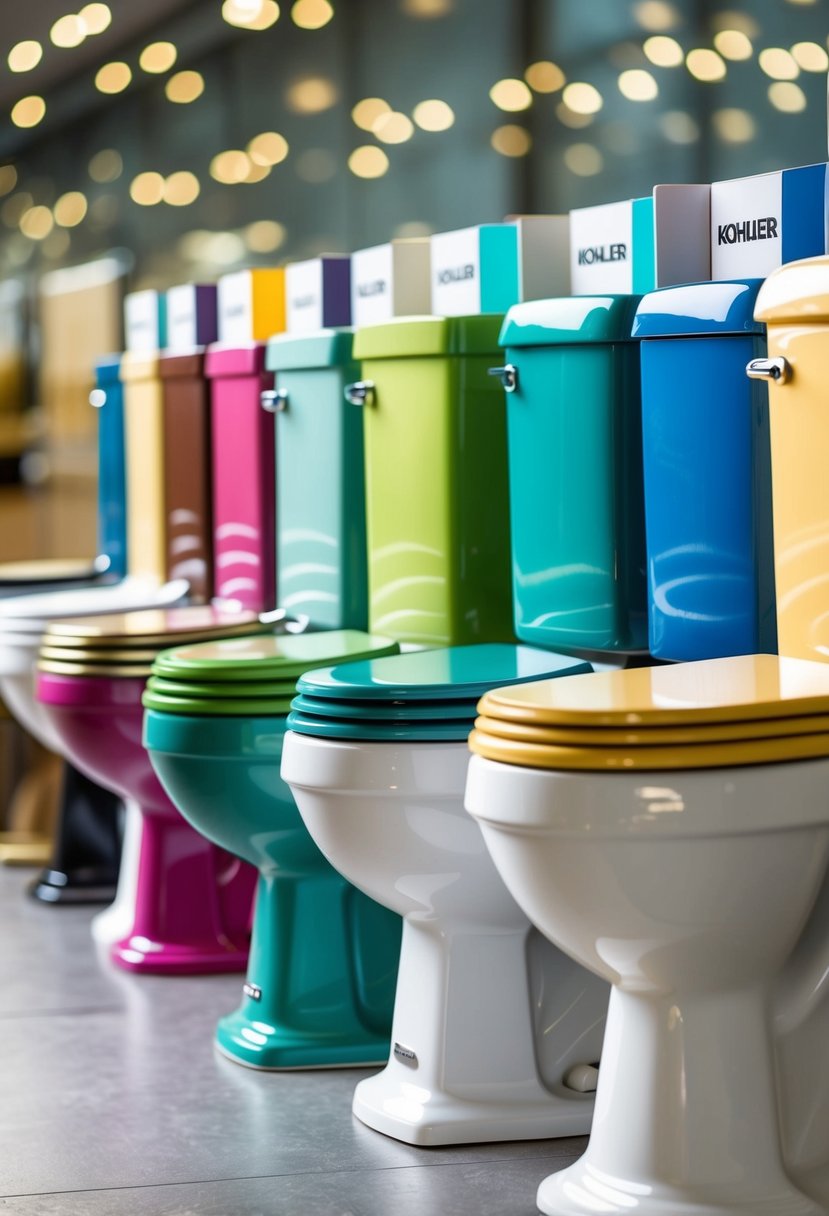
[[84, 866], [668, 828], [323, 957], [192, 901], [496, 1034]]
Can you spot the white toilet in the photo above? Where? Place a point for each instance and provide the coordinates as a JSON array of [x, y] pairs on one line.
[[23, 621], [496, 1034], [669, 829]]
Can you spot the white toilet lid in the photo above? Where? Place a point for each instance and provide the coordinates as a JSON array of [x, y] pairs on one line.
[[31, 613]]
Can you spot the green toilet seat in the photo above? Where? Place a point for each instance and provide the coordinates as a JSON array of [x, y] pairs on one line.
[[256, 679], [429, 695]]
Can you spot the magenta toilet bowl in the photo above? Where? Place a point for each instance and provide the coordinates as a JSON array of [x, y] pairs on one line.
[[194, 900]]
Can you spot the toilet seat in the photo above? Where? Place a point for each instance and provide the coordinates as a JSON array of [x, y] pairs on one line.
[[752, 709], [424, 695]]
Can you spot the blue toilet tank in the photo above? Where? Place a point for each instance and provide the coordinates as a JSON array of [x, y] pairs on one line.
[[707, 473]]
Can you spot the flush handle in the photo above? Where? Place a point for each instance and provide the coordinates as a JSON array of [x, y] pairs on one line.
[[274, 400], [361, 392], [97, 398], [508, 375], [778, 370]]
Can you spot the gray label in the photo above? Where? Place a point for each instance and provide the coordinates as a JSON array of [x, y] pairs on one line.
[[251, 990], [405, 1054]]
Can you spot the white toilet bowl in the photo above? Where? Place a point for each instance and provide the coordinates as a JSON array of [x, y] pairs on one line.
[[496, 1033], [702, 895]]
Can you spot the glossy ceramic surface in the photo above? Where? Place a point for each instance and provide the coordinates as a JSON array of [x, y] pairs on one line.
[[244, 496], [321, 532], [707, 473], [436, 481], [575, 474], [269, 657], [488, 1019], [711, 1099], [794, 304], [193, 903], [323, 960], [144, 445], [187, 472], [112, 481]]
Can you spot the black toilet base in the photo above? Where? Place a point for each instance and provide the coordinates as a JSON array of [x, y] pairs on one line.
[[83, 868], [58, 887]]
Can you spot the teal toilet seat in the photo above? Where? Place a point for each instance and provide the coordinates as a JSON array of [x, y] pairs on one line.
[[428, 695]]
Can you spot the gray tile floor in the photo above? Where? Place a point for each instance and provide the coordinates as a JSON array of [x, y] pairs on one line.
[[113, 1103]]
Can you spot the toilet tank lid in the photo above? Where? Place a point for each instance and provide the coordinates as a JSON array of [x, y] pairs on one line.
[[107, 369], [326, 348], [699, 308], [182, 364], [568, 320], [224, 359], [405, 337], [136, 365], [798, 291]]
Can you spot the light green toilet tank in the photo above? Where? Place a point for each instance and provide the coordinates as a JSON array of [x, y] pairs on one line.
[[320, 494], [437, 505], [575, 466]]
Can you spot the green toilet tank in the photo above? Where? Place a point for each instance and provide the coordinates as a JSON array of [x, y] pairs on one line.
[[320, 492], [575, 468], [437, 503]]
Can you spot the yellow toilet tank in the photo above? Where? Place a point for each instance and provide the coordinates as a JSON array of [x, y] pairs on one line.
[[794, 304], [144, 444]]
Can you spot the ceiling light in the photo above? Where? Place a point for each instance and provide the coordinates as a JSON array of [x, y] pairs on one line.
[[368, 161], [25, 56], [184, 87], [638, 85], [582, 98], [158, 57], [147, 189], [662, 51], [70, 209], [545, 77], [511, 95], [113, 77], [311, 14], [705, 65], [28, 112], [68, 31], [433, 115]]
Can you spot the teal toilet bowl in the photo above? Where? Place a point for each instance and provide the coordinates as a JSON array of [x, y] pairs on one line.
[[319, 990]]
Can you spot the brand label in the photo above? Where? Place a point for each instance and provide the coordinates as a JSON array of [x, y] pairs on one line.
[[747, 230], [747, 226], [236, 308], [372, 285], [303, 285], [142, 322], [405, 1054], [253, 991], [456, 273], [601, 248], [604, 253], [378, 288], [181, 318]]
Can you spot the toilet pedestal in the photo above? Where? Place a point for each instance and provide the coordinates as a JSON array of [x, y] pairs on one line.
[[462, 1065], [86, 852]]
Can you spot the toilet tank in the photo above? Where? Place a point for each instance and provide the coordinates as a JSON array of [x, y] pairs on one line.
[[707, 473], [187, 472], [320, 487], [108, 399], [144, 445], [244, 502], [794, 305], [575, 473], [437, 504]]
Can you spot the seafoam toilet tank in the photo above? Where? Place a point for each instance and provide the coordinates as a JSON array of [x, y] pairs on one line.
[[108, 399], [437, 505], [244, 500], [187, 472], [794, 304], [320, 487], [707, 473], [575, 473], [144, 444]]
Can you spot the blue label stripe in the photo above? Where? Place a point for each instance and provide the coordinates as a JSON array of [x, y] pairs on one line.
[[804, 212]]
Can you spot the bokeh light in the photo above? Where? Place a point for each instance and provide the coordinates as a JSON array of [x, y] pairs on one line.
[[545, 77], [511, 95], [663, 52], [113, 77], [147, 189], [433, 115], [29, 111], [368, 161], [311, 14], [312, 95], [638, 85], [511, 140], [70, 209], [585, 160], [705, 65], [393, 127], [158, 57], [25, 56], [184, 87], [582, 98]]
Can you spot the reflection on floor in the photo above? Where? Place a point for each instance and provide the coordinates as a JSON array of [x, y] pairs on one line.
[[113, 1103]]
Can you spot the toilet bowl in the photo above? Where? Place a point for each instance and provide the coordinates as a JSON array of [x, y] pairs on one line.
[[323, 957], [84, 866], [192, 901], [493, 1027], [668, 828]]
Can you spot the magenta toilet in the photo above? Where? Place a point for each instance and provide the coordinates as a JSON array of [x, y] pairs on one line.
[[194, 900]]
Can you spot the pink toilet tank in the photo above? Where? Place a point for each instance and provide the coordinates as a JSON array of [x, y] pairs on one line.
[[244, 496]]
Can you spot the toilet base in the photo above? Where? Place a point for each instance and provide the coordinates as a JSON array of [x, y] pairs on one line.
[[582, 1191], [394, 1104], [87, 847], [278, 1049], [72, 887], [170, 958]]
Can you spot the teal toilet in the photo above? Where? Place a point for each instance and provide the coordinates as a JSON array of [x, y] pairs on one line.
[[575, 474], [320, 486], [323, 959]]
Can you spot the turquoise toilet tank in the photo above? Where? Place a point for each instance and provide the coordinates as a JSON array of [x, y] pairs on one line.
[[320, 484], [108, 399], [707, 469], [575, 473]]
